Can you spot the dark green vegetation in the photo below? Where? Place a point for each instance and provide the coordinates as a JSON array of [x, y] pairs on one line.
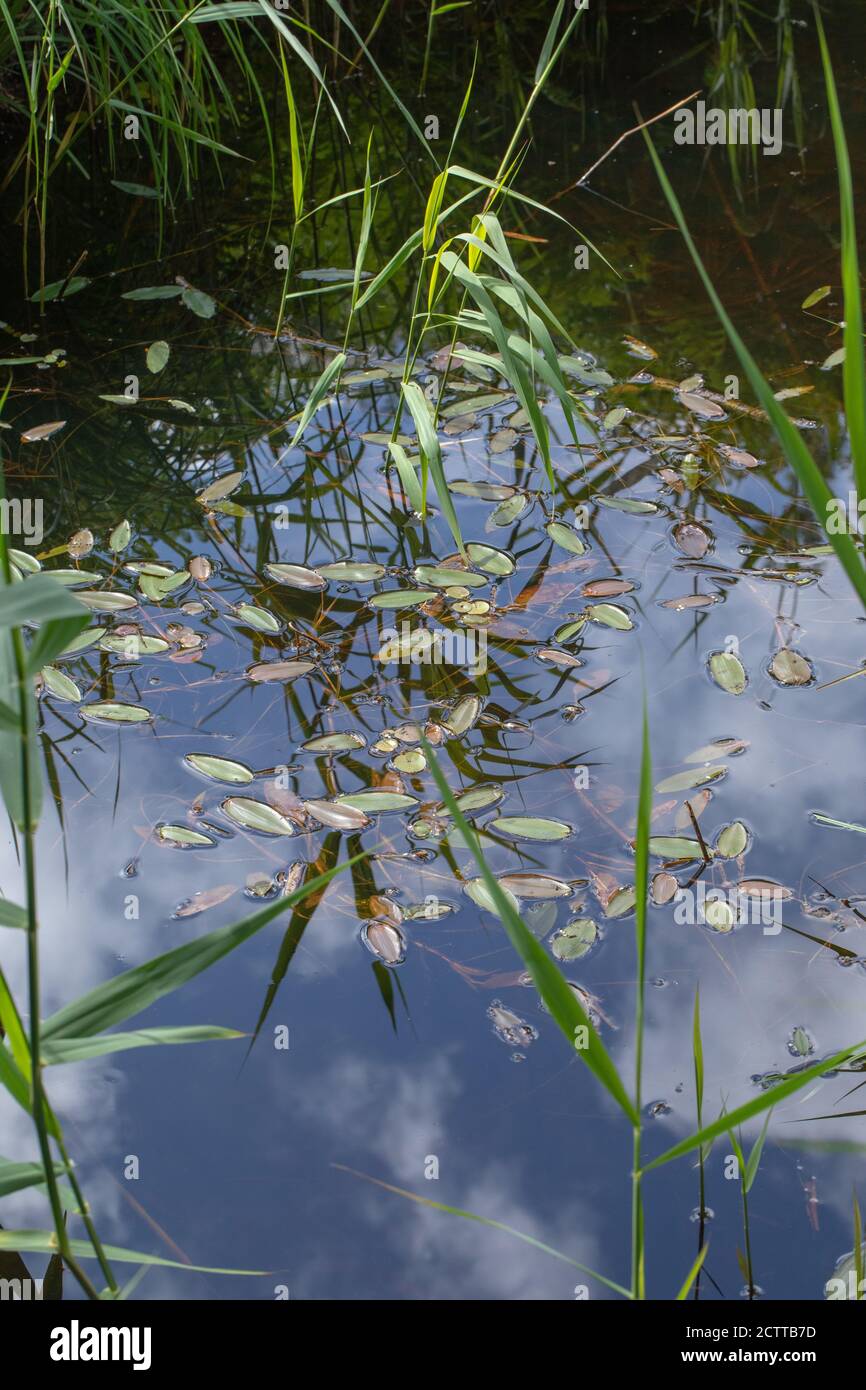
[[373, 400]]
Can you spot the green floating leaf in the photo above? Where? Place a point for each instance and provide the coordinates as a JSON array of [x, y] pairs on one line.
[[106, 601], [257, 815], [334, 743], [376, 801], [59, 685], [530, 828], [610, 615], [120, 537], [489, 559], [448, 578], [575, 939], [675, 847], [815, 297], [115, 712], [184, 837], [258, 618], [133, 645], [154, 292], [636, 506], [684, 781], [296, 576], [351, 571], [401, 598], [219, 769], [221, 487], [832, 824], [732, 840], [157, 356], [728, 672], [199, 303], [566, 536]]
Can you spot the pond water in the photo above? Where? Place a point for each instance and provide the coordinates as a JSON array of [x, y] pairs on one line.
[[443, 1075]]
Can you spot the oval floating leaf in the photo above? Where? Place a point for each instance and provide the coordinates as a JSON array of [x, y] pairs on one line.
[[489, 559], [732, 840], [674, 847], [257, 815], [566, 536], [333, 743], [351, 571], [296, 576], [336, 816], [184, 837], [374, 802], [386, 941], [728, 672], [401, 598], [790, 668], [258, 618], [530, 828], [278, 670], [116, 712], [219, 769]]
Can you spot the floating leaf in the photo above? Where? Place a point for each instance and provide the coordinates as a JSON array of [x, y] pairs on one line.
[[444, 578], [84, 640], [45, 431], [663, 888], [790, 668], [59, 685], [692, 539], [476, 799], [222, 487], [297, 576], [158, 587], [133, 645], [257, 815], [684, 781], [815, 297], [637, 506], [154, 292], [199, 303], [116, 712], [463, 716], [200, 902], [674, 847], [219, 769], [566, 536], [333, 743], [508, 510], [820, 819], [411, 761], [615, 417], [732, 840], [639, 349], [478, 891], [487, 558], [120, 537], [610, 615], [621, 902], [185, 838], [557, 658], [71, 285], [256, 617], [157, 356], [401, 598], [386, 941], [700, 405], [106, 601], [526, 885], [834, 360], [351, 571], [337, 816], [530, 828], [741, 458], [278, 670], [719, 748], [575, 939], [570, 629], [728, 672], [374, 801], [487, 492], [606, 588]]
